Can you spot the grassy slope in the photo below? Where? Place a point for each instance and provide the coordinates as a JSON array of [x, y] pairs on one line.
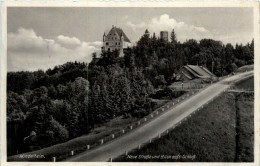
[[210, 134], [245, 68], [247, 84], [245, 139]]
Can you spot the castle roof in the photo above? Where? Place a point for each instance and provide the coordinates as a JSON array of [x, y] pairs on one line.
[[119, 32]]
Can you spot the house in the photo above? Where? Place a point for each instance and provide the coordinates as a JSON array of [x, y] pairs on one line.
[[116, 39], [190, 72]]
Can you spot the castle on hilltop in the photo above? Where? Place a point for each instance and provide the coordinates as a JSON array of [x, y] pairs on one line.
[[116, 39]]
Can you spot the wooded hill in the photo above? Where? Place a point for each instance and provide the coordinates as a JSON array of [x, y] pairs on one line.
[[71, 99]]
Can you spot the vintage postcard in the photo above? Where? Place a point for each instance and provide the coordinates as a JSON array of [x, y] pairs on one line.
[[130, 83]]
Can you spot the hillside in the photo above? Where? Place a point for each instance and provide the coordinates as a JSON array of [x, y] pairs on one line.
[[223, 131], [50, 107]]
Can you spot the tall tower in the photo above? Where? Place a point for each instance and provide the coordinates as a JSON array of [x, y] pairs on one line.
[[164, 36]]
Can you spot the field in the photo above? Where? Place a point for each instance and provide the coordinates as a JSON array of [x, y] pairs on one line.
[[223, 131], [247, 84]]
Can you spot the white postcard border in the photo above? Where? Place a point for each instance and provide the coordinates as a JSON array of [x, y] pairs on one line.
[[255, 7]]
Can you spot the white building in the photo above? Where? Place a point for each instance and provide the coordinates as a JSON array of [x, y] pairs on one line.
[[116, 39]]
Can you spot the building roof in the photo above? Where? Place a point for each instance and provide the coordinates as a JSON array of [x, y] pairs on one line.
[[201, 71], [119, 32], [192, 71]]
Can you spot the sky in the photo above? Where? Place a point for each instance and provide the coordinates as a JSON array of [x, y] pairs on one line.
[[40, 37]]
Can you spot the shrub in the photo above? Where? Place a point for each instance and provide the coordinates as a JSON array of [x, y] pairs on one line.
[[167, 93], [57, 132]]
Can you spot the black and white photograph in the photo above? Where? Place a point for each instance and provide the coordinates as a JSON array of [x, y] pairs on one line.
[[107, 83]]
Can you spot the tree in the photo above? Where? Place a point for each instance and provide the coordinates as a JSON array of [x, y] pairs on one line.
[[41, 111], [94, 55], [231, 67], [52, 91], [57, 132], [229, 53], [191, 48], [154, 39], [61, 103], [144, 40], [122, 92], [173, 37], [160, 80]]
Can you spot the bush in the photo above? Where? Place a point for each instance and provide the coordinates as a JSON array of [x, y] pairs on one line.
[[57, 132], [139, 113], [167, 93], [250, 62], [231, 67], [240, 63], [160, 81]]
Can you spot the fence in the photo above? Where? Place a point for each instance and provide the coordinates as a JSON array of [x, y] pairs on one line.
[[139, 123], [157, 112], [184, 119], [166, 132]]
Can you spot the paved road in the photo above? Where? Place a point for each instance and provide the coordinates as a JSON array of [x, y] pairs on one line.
[[160, 124]]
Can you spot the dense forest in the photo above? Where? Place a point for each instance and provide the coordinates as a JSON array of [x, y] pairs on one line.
[[53, 106]]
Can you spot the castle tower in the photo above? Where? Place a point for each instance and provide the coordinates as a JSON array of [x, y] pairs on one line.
[[164, 36]]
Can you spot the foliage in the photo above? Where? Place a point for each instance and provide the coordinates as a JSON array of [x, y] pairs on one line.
[[71, 99], [167, 93]]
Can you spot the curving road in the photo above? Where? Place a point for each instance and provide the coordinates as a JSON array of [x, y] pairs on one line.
[[158, 125]]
